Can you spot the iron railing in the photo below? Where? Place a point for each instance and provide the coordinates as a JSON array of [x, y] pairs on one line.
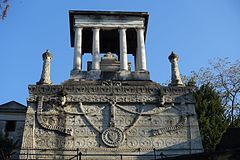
[[76, 154]]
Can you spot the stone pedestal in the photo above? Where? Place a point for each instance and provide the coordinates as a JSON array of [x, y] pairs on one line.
[[123, 75], [109, 111], [77, 74], [141, 75], [132, 119], [94, 75]]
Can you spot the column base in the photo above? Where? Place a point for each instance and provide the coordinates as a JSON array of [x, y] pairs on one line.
[[93, 74], [126, 75], [77, 74], [141, 75], [123, 75], [44, 82], [177, 83]]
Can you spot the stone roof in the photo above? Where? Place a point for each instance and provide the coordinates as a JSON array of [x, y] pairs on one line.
[[108, 38], [13, 106]]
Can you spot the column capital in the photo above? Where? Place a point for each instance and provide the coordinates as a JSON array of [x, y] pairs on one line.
[[140, 28], [122, 29], [78, 27], [95, 28]]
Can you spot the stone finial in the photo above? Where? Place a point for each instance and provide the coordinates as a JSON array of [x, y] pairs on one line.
[[175, 78], [45, 76]]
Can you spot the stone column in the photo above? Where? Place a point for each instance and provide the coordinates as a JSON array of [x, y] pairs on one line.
[[175, 78], [95, 49], [141, 57], [123, 49], [77, 60], [136, 59], [45, 76]]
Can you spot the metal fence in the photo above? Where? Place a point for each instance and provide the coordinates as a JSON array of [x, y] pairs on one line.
[[28, 154]]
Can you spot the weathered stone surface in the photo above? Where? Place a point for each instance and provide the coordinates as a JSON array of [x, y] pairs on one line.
[[110, 109], [111, 116], [175, 75], [45, 76]]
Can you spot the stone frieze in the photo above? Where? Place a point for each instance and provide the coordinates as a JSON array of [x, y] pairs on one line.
[[109, 88]]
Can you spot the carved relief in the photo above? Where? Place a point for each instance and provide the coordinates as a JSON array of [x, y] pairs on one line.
[[145, 143], [158, 143], [40, 142], [46, 123], [69, 143], [110, 87], [171, 127], [112, 137], [79, 143], [111, 116], [52, 143], [132, 132], [91, 143], [132, 142], [112, 83]]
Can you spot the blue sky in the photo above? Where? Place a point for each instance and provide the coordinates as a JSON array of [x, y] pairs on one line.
[[197, 30]]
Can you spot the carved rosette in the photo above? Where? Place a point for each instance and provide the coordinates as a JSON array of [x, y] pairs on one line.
[[112, 137]]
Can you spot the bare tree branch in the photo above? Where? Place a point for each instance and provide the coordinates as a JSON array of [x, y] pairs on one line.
[[225, 77], [4, 7]]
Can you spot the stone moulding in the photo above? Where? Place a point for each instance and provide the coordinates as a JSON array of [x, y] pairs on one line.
[[163, 101], [107, 89]]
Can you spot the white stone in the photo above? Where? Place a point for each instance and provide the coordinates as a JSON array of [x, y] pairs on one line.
[[45, 76], [141, 58], [77, 60], [123, 49], [108, 21], [95, 49], [175, 75]]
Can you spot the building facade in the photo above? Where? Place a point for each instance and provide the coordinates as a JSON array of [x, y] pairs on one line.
[[12, 118]]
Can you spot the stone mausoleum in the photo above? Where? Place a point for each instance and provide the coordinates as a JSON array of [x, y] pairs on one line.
[[111, 110]]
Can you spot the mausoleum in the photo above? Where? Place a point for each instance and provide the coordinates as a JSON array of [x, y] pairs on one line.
[[111, 110]]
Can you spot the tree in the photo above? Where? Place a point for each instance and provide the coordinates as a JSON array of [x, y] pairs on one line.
[[225, 78], [4, 7], [7, 147], [211, 118]]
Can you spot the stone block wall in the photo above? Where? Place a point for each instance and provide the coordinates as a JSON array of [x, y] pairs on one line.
[[133, 119]]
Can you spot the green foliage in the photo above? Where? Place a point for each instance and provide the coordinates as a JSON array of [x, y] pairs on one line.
[[211, 118], [7, 147], [225, 78], [236, 123]]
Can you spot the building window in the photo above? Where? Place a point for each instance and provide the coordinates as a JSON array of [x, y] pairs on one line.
[[10, 126]]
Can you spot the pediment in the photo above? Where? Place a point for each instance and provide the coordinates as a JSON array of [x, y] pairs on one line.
[[12, 106]]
